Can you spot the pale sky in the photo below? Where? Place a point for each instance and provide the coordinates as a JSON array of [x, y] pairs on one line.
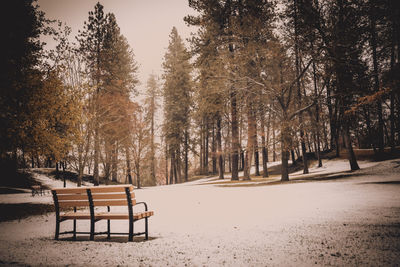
[[145, 23]]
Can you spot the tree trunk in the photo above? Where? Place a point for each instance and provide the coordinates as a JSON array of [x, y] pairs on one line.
[[172, 167], [32, 161], [138, 184], [206, 150], [376, 80], [128, 165], [255, 147], [166, 163], [114, 160], [316, 127], [285, 164], [285, 141], [214, 151], [293, 157], [273, 144], [201, 158], [263, 144], [235, 137], [219, 149], [175, 169], [250, 141], [96, 153], [152, 145], [186, 155], [297, 59], [351, 156], [392, 97]]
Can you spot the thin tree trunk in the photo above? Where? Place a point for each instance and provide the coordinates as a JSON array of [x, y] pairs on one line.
[[316, 127], [128, 165], [263, 144], [351, 156], [138, 175], [96, 153], [114, 167], [376, 81], [214, 151], [32, 161], [166, 163], [206, 146], [219, 149], [284, 154], [186, 155], [293, 157], [235, 137], [392, 98], [297, 59], [255, 146], [273, 144], [201, 158], [172, 167]]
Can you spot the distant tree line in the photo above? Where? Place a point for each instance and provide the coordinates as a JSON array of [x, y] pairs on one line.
[[289, 77], [262, 80]]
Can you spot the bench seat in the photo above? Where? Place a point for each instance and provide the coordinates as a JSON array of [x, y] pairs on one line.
[[104, 216]]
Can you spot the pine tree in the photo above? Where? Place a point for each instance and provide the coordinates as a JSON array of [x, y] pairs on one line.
[[177, 100], [91, 45], [21, 26], [112, 69], [152, 94]]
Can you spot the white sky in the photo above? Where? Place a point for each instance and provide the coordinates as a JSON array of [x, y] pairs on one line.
[[145, 23]]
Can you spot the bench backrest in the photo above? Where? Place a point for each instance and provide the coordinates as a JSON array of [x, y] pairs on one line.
[[95, 196]]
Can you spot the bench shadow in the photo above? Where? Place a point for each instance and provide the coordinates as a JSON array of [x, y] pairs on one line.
[[113, 239]]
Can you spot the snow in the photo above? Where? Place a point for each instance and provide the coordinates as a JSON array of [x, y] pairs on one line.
[[46, 198], [349, 221]]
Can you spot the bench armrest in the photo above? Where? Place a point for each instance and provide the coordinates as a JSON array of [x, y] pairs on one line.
[[144, 203]]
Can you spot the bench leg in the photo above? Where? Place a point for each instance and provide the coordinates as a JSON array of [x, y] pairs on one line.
[[146, 227], [74, 234], [91, 230], [130, 230], [57, 230], [108, 229]]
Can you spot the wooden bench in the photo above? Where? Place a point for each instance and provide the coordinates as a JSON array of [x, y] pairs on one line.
[[89, 203], [37, 189]]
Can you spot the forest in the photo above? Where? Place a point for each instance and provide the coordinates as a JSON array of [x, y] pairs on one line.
[[259, 81]]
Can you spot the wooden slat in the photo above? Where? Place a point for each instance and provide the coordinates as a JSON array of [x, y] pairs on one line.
[[95, 196], [75, 215], [76, 203], [73, 197], [117, 216], [111, 196], [149, 213], [109, 189], [112, 216], [78, 190], [105, 215], [98, 203], [100, 189]]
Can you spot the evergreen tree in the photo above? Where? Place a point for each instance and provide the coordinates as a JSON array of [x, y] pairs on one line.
[[91, 41], [21, 26], [177, 100], [152, 94], [112, 69]]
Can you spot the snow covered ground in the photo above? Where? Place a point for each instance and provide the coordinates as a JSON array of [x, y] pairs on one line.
[[348, 221]]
